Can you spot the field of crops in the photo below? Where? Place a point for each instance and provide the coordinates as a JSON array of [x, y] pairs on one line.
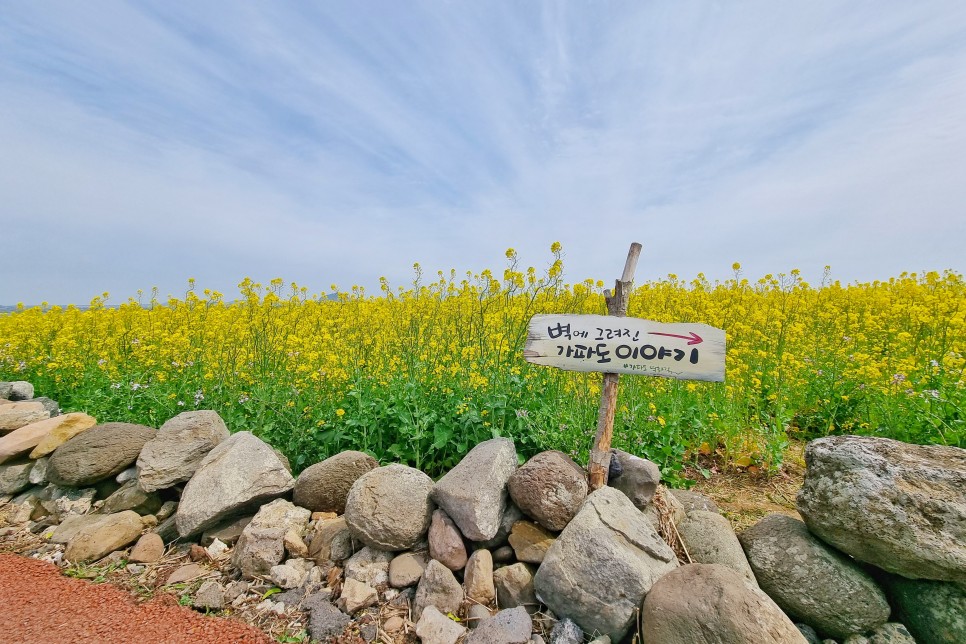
[[420, 374]]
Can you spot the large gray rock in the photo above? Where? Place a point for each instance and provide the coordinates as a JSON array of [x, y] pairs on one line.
[[638, 478], [15, 476], [437, 587], [240, 473], [509, 626], [96, 539], [549, 488], [262, 542], [898, 506], [178, 448], [474, 492], [603, 564], [712, 604], [933, 611], [710, 539], [101, 452], [811, 581], [389, 508], [324, 487]]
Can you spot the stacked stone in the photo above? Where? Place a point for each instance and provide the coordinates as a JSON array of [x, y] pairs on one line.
[[509, 551]]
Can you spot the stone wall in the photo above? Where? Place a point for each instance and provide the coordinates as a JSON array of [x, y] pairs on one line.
[[493, 551]]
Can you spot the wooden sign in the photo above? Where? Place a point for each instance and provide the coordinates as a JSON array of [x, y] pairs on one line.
[[613, 344]]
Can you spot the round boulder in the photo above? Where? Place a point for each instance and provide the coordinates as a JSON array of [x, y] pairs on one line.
[[549, 488], [100, 452], [389, 508], [712, 603], [811, 581], [899, 507], [323, 487]]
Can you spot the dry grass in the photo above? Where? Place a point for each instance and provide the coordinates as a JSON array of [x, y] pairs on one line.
[[746, 497]]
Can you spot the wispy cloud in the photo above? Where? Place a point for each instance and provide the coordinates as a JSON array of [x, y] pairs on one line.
[[148, 142]]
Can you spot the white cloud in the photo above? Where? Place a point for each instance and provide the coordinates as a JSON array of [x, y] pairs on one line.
[[337, 144]]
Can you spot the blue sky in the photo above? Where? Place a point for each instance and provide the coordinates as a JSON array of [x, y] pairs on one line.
[[145, 143]]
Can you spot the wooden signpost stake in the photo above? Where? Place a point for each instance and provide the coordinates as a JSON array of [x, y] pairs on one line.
[[616, 344], [616, 306]]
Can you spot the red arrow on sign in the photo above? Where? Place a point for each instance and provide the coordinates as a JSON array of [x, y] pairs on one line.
[[694, 338]]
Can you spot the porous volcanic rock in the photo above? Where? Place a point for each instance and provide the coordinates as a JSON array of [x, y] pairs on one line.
[[509, 626], [610, 540], [811, 581], [933, 611], [389, 508], [179, 446], [704, 603], [324, 487], [101, 452], [474, 492], [549, 488], [897, 506], [239, 473]]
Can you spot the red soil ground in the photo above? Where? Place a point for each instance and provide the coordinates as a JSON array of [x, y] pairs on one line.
[[39, 606]]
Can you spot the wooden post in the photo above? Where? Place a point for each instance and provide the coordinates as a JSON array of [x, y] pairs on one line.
[[616, 305]]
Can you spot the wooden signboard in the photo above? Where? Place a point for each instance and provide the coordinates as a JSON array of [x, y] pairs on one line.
[[615, 344], [626, 345]]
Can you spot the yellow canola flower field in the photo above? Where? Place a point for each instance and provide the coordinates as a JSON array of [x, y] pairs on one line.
[[421, 374]]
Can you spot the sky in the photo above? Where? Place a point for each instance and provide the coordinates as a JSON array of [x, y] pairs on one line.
[[146, 143]]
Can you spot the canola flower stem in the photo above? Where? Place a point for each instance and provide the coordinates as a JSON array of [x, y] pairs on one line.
[[599, 463]]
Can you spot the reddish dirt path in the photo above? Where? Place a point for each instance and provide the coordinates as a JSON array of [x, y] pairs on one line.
[[41, 606]]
